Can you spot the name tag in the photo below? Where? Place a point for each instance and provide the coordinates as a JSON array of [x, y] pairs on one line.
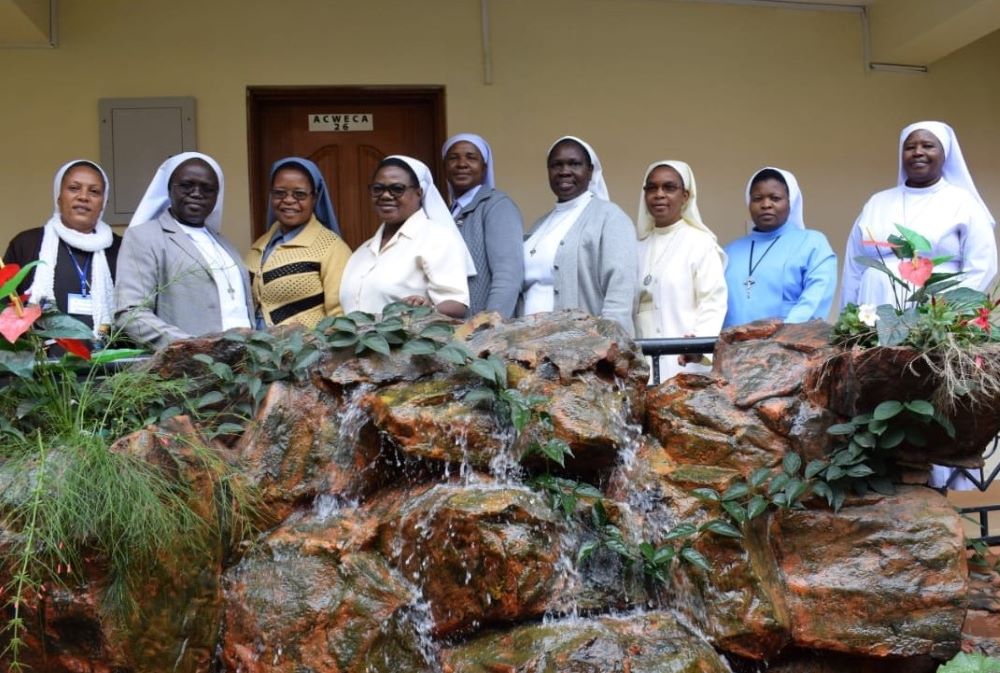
[[78, 304]]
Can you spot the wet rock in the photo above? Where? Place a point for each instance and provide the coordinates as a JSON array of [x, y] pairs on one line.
[[856, 380], [69, 627], [305, 442], [812, 661], [739, 604], [427, 419], [695, 419], [645, 643], [308, 598], [886, 576], [480, 554]]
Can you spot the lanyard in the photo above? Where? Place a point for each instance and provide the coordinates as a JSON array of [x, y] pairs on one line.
[[81, 272]]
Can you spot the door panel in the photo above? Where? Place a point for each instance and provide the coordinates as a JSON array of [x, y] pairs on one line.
[[405, 120]]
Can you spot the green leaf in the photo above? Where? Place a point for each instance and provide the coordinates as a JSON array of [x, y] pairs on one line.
[[724, 528], [882, 485], [919, 243], [61, 326], [865, 439], [203, 358], [921, 407], [376, 342], [814, 467], [483, 368], [892, 329], [587, 491], [694, 557], [791, 463], [222, 371], [970, 663], [681, 531], [822, 489], [887, 410], [360, 317], [878, 426], [735, 511], [254, 386], [891, 439], [10, 287], [586, 550], [420, 347], [795, 489], [454, 353], [107, 355], [209, 398], [759, 476], [499, 370], [777, 483], [438, 331], [393, 324], [756, 507], [556, 450], [344, 324], [229, 429], [619, 547], [841, 429], [945, 423], [480, 394], [736, 491], [342, 340], [18, 363], [706, 494], [834, 472]]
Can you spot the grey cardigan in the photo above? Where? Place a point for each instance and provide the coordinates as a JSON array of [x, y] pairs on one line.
[[597, 264], [493, 231], [164, 289]]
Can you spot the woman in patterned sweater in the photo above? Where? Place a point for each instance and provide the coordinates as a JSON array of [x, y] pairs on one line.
[[296, 266]]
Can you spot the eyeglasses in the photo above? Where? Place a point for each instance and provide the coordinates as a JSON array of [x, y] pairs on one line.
[[669, 188], [187, 187], [297, 194], [396, 189]]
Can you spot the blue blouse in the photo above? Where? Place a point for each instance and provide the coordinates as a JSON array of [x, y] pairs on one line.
[[794, 276]]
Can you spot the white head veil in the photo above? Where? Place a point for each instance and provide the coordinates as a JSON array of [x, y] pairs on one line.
[[597, 185], [101, 286], [955, 171], [689, 214], [795, 217], [432, 202], [157, 196], [484, 149]]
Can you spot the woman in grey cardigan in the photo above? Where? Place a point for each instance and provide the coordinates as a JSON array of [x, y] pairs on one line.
[[583, 253], [490, 223]]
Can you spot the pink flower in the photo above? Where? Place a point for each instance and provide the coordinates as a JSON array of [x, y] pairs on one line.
[[14, 323], [76, 347], [983, 321], [916, 271]]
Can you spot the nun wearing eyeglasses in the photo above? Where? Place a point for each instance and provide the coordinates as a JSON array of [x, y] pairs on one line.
[[296, 267], [682, 291], [490, 224], [417, 255], [178, 277], [583, 253]]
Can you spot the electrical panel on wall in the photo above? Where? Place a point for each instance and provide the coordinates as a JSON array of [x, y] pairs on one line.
[[137, 135]]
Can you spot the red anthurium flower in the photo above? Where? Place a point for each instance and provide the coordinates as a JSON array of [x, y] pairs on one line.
[[983, 321], [13, 325], [76, 347], [916, 271], [8, 272]]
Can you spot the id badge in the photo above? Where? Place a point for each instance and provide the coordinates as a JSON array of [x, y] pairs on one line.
[[78, 304]]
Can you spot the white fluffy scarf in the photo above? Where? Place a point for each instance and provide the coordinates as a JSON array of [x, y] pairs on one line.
[[101, 286]]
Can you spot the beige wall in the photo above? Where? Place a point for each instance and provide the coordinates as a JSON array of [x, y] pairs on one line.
[[726, 88]]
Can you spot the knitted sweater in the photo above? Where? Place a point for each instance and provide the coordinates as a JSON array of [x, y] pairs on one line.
[[300, 281]]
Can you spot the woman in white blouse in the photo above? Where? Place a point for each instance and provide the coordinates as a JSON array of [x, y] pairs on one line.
[[417, 255], [682, 289]]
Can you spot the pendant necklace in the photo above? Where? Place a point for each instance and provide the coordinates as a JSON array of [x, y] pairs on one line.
[[750, 282], [655, 263]]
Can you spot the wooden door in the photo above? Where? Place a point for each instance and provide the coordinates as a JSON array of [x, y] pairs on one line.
[[403, 120]]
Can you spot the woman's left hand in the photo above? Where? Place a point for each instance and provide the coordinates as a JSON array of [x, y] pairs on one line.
[[417, 300]]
